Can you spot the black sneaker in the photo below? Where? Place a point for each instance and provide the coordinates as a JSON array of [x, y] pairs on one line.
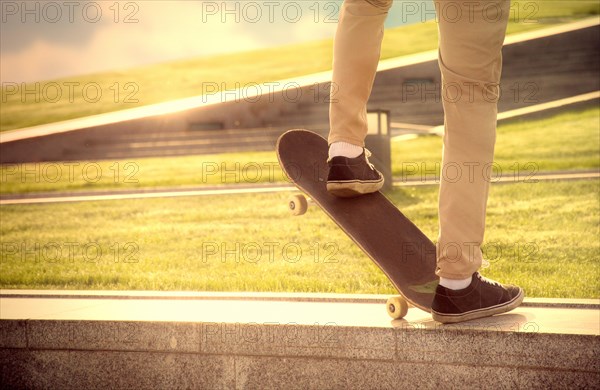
[[482, 298], [349, 177]]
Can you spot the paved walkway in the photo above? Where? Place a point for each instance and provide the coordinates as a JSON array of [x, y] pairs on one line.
[[58, 197]]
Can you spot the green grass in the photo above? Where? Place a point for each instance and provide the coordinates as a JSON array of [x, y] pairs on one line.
[[542, 236], [217, 169], [163, 82], [565, 141]]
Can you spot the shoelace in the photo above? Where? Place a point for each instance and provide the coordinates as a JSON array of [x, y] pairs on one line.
[[367, 155], [486, 280]]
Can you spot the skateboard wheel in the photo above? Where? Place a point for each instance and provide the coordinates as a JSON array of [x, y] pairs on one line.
[[397, 307], [298, 204]]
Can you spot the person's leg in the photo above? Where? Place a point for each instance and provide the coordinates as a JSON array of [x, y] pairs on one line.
[[356, 52], [357, 47], [470, 60], [471, 35]]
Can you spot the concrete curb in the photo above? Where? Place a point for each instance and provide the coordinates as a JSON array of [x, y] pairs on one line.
[[517, 349], [593, 304]]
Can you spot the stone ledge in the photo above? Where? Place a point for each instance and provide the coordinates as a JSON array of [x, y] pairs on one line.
[[409, 343], [283, 340], [150, 370], [263, 296]]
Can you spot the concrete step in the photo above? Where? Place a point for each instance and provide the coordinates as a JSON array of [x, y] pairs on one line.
[[176, 144], [251, 340], [549, 59], [199, 142], [196, 135], [123, 153]]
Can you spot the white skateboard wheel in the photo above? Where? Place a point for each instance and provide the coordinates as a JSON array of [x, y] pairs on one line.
[[397, 307], [298, 204]]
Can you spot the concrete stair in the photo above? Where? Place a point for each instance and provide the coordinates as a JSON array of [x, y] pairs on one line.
[[181, 143], [57, 339], [537, 70]]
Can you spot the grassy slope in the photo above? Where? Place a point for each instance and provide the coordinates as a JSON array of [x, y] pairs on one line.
[[543, 236], [164, 82], [565, 141]]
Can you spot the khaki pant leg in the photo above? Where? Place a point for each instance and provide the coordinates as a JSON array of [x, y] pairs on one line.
[[356, 52], [471, 35]]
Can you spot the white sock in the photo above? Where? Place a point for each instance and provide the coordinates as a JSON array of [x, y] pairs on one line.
[[455, 284], [344, 149]]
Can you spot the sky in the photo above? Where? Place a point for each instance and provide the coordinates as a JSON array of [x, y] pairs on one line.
[[43, 40]]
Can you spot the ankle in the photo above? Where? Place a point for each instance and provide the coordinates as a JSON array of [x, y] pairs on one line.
[[344, 149], [456, 284]]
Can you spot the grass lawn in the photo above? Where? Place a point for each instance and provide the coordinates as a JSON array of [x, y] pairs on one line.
[[163, 82], [542, 236], [565, 141]]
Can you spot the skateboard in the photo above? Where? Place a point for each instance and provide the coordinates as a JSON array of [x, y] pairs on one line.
[[404, 254]]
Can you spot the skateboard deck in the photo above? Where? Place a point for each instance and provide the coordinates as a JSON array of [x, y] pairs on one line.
[[390, 239]]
